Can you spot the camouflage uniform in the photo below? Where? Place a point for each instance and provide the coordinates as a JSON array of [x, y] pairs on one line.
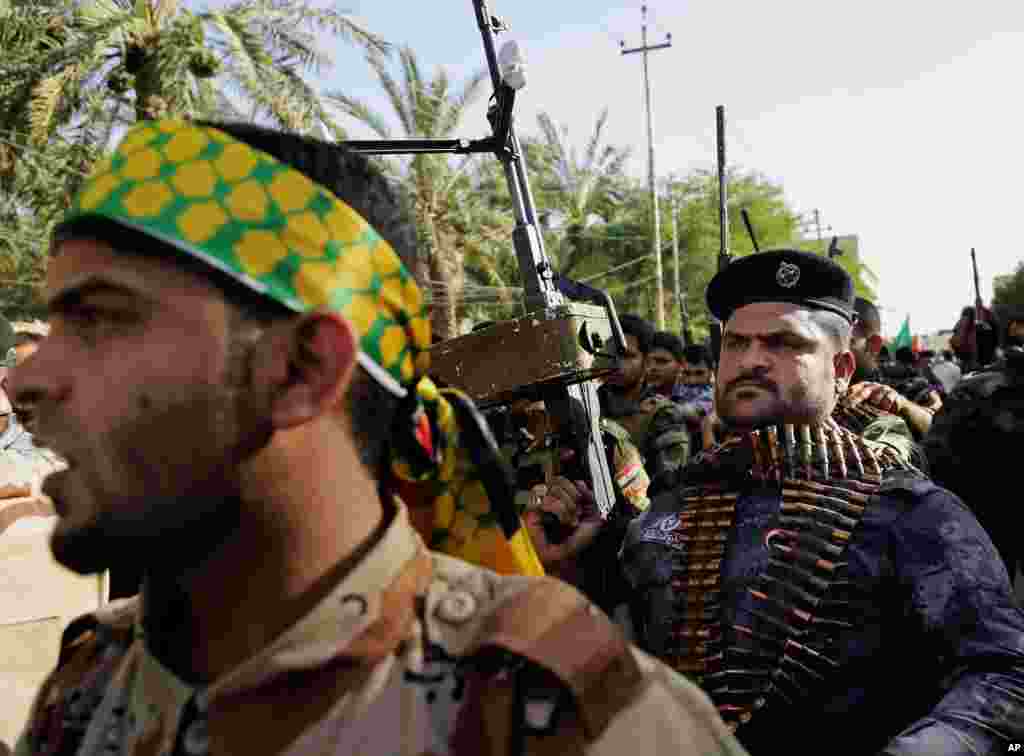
[[658, 428], [412, 652], [882, 427]]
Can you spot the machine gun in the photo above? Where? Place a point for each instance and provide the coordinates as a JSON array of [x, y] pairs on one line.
[[556, 351]]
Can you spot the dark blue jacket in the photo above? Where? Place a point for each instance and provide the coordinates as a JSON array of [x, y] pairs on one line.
[[934, 664]]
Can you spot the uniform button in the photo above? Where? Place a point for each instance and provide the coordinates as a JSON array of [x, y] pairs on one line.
[[456, 607], [355, 604]]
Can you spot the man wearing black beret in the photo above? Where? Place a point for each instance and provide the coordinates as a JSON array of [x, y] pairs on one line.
[[819, 587]]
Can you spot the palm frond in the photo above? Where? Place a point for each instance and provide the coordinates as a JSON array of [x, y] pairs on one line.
[[396, 97], [46, 98], [472, 89], [413, 90], [590, 156], [360, 111]]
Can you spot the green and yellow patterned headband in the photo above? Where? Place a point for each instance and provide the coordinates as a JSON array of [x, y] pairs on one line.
[[269, 227]]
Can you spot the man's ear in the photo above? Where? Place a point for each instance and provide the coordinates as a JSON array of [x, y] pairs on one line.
[[314, 367], [845, 363], [874, 344]]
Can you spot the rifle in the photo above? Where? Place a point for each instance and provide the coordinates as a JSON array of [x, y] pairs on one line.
[[557, 350], [724, 258], [978, 305], [750, 229]]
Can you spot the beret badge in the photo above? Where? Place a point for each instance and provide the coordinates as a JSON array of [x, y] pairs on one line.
[[787, 276]]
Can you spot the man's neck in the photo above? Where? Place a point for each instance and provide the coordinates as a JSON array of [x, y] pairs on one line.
[[276, 568], [632, 393]]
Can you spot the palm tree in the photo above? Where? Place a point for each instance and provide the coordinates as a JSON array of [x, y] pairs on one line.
[[429, 108], [71, 73], [581, 191], [150, 58]]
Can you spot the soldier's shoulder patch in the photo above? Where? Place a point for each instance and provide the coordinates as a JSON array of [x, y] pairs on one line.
[[551, 625], [657, 525], [540, 626]]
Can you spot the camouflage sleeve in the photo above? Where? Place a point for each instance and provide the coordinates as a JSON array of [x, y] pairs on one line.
[[667, 445], [671, 716], [630, 476], [894, 432]]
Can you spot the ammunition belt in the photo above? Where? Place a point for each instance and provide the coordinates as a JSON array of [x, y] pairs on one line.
[[801, 601]]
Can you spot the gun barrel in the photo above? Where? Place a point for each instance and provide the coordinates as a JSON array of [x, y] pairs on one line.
[[750, 229], [723, 204]]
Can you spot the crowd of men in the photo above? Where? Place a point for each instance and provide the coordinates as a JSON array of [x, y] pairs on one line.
[[317, 550]]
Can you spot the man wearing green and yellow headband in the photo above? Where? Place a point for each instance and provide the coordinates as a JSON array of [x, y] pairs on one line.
[[234, 373]]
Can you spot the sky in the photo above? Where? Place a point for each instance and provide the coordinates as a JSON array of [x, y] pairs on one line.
[[899, 120]]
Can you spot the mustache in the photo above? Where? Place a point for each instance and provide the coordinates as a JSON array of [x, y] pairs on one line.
[[754, 380]]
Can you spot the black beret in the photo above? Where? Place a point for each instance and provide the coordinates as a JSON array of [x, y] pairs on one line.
[[783, 275]]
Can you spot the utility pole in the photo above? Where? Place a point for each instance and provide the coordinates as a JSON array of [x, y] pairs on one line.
[[684, 316], [817, 222], [656, 238]]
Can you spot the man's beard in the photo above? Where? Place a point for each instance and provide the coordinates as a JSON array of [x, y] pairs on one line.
[[799, 406], [159, 492]]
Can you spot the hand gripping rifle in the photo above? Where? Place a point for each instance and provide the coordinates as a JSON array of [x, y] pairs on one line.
[[556, 351]]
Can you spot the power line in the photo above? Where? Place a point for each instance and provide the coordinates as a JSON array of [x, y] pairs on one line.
[[656, 240], [640, 259], [633, 284]]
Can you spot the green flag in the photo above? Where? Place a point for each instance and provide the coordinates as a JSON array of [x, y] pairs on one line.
[[903, 338]]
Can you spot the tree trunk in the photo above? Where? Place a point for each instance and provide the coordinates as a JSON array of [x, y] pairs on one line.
[[448, 273], [150, 103]]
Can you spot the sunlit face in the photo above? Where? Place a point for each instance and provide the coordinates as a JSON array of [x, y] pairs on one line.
[[141, 387], [662, 368], [632, 366], [777, 366]]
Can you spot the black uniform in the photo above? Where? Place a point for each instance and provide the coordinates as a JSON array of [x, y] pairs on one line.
[[974, 449]]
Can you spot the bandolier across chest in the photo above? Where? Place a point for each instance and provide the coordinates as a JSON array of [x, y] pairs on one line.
[[794, 609]]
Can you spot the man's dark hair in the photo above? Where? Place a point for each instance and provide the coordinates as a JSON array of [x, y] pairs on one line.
[[362, 186], [869, 321], [359, 184], [697, 354], [638, 328], [905, 355], [669, 342]]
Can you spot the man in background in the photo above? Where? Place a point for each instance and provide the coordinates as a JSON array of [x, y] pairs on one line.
[[38, 597], [665, 364], [655, 424]]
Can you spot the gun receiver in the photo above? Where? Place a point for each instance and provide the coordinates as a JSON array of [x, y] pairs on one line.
[[557, 349]]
